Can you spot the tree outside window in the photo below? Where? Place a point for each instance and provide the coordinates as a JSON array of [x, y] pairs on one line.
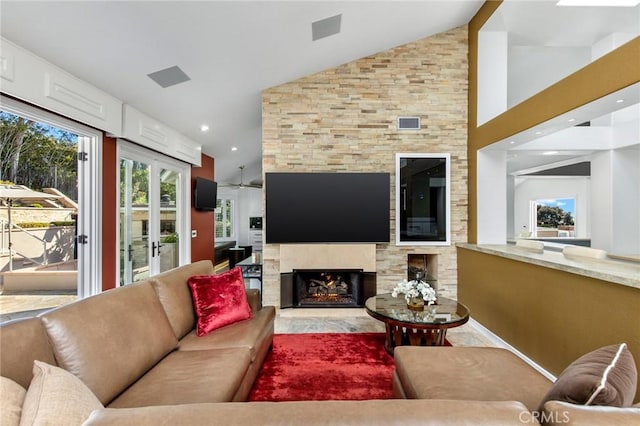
[[555, 217]]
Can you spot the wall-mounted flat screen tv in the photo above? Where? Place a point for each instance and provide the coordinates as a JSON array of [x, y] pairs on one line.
[[327, 207], [205, 194]]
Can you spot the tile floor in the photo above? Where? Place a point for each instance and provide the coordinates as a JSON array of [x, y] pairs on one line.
[[357, 320], [15, 306]]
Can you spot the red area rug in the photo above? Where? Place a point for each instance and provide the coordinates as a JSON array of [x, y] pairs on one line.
[[323, 366]]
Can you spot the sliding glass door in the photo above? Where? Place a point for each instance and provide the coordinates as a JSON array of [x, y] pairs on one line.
[[153, 216]]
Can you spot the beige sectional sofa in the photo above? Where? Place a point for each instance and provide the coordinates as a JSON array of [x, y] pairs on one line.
[[135, 351], [136, 345], [496, 374]]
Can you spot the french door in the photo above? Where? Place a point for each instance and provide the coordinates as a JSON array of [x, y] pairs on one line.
[[153, 213]]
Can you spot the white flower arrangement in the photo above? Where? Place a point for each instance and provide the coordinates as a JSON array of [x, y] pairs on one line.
[[415, 288]]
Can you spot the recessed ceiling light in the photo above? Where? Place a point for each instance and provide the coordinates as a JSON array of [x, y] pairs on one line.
[[550, 153], [618, 3], [538, 132], [204, 128], [619, 101], [234, 148], [571, 120], [512, 142]]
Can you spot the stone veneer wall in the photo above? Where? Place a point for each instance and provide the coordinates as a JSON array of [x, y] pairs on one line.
[[344, 120]]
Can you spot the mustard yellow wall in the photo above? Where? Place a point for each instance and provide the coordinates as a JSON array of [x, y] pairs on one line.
[[614, 71], [551, 316]]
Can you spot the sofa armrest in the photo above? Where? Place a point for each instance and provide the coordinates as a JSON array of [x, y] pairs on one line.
[[311, 413], [253, 297], [564, 413]]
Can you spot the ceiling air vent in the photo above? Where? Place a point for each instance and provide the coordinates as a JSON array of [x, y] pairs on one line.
[[169, 76], [408, 123], [325, 27]]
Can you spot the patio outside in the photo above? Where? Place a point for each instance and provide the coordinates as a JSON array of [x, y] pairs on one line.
[[38, 212]]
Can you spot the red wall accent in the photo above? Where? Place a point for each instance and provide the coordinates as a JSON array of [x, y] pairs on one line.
[[109, 219], [202, 246]]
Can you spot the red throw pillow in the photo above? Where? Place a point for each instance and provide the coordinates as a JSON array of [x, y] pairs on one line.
[[219, 300]]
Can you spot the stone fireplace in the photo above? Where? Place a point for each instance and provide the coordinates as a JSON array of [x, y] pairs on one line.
[[326, 275]]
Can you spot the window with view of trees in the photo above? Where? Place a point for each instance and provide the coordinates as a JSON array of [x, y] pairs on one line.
[[37, 155], [49, 201], [555, 218]]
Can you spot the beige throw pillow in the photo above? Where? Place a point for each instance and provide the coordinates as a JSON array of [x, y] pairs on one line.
[[11, 400], [57, 397]]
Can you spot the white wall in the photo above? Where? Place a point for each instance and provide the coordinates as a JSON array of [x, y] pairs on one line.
[[534, 68], [492, 197], [249, 205], [492, 74], [626, 196], [602, 200], [543, 187]]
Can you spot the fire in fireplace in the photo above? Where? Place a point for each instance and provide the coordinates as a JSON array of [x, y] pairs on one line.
[[327, 288], [322, 288]]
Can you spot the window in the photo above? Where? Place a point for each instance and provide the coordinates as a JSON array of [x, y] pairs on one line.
[[554, 218], [224, 219]]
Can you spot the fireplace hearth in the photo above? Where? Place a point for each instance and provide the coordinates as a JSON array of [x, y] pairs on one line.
[[320, 288]]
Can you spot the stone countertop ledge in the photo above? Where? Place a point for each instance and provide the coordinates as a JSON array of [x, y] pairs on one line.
[[614, 270]]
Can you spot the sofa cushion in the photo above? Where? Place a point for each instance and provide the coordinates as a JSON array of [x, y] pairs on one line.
[[111, 339], [323, 413], [21, 342], [175, 296], [468, 373], [11, 400], [606, 376], [219, 300], [559, 413], [57, 397], [245, 334], [186, 377]]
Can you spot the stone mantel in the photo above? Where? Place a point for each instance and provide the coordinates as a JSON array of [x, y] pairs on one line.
[[327, 256]]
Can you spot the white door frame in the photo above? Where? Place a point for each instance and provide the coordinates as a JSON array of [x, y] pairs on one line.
[[89, 220], [183, 216]]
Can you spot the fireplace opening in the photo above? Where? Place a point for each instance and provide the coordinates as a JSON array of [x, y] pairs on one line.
[[323, 288]]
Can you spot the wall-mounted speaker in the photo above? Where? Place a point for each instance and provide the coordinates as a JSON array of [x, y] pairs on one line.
[[408, 123]]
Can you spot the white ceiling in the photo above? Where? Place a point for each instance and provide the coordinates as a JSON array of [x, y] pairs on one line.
[[233, 50], [542, 23]]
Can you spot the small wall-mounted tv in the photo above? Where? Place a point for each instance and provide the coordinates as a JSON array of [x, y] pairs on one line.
[[327, 207], [205, 194]]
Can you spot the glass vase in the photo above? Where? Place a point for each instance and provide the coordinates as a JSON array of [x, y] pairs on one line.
[[416, 303]]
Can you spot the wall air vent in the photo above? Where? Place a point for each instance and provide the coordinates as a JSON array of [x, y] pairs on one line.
[[408, 123]]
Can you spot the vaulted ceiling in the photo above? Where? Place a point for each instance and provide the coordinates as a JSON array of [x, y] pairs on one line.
[[232, 50]]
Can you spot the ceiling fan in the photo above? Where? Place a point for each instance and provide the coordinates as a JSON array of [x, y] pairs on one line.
[[242, 184]]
